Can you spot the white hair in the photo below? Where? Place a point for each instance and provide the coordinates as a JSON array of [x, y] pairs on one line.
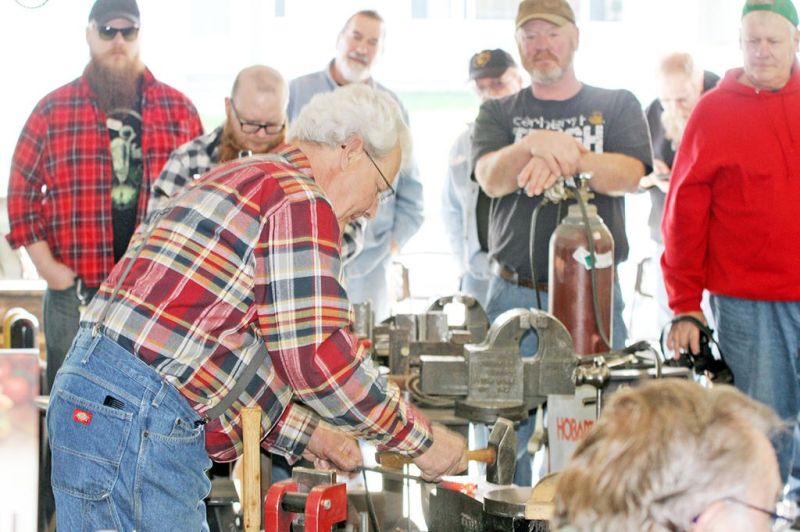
[[331, 118]]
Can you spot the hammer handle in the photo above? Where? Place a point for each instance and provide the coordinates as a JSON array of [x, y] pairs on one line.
[[251, 477], [397, 460], [486, 456]]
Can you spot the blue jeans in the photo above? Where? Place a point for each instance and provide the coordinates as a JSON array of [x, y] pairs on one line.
[[475, 286], [504, 296], [761, 344], [128, 450]]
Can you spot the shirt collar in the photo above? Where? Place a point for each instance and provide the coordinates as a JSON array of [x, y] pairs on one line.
[[294, 156]]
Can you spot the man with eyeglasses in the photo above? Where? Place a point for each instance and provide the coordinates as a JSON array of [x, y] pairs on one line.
[[230, 298], [671, 455], [465, 207], [255, 123], [359, 44], [82, 169]]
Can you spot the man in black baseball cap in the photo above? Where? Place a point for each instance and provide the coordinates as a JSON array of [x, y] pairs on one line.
[[94, 145], [103, 11], [492, 74], [493, 71]]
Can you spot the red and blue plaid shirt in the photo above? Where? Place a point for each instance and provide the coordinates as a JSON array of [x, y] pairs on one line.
[[246, 261], [61, 172]]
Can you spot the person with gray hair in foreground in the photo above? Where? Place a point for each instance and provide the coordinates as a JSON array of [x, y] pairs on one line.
[[230, 297], [671, 455]]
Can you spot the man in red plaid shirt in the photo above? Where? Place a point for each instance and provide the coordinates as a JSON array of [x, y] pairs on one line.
[[231, 296], [83, 166]]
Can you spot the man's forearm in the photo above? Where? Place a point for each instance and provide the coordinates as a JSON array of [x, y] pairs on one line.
[[497, 171], [613, 174], [347, 390], [57, 274], [292, 432]]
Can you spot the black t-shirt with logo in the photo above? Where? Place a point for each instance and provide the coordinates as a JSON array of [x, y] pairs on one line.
[[125, 133], [605, 121]]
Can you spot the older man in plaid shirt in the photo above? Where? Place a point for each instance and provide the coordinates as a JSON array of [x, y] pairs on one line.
[[232, 297]]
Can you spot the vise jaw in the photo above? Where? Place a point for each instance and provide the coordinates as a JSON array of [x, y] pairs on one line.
[[492, 377]]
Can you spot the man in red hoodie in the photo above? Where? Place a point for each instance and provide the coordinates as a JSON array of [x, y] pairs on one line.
[[730, 222]]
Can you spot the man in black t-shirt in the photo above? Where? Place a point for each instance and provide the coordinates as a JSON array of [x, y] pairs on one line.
[[525, 142]]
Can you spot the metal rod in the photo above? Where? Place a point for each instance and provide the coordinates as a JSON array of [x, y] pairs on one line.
[[370, 507], [393, 473]]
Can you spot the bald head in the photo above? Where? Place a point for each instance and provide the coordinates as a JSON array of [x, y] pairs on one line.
[[261, 79], [256, 109], [681, 64]]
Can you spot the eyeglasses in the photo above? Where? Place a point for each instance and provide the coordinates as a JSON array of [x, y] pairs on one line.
[[108, 33], [251, 128], [388, 192], [781, 518]]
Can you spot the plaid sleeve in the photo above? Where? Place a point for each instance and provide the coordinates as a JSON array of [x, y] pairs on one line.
[[290, 435], [26, 182], [306, 326]]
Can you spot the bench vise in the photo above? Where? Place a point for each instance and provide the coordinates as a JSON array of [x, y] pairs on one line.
[[491, 379]]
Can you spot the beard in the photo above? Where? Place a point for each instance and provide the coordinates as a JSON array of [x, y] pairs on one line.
[[550, 74], [229, 147], [354, 72], [115, 87], [674, 126]]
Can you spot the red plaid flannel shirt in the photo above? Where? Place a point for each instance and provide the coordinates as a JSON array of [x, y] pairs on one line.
[[61, 172], [249, 258]]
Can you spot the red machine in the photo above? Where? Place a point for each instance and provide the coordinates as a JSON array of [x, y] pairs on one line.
[[320, 507], [570, 284]]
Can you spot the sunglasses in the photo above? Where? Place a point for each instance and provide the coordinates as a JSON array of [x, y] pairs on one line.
[[108, 33]]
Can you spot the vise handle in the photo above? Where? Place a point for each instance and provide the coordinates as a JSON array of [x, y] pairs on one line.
[[390, 460]]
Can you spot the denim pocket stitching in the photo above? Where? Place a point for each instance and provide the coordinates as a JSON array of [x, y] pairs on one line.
[[126, 417], [189, 438], [113, 458], [113, 389]]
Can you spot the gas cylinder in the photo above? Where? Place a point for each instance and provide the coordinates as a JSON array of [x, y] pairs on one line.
[[570, 279]]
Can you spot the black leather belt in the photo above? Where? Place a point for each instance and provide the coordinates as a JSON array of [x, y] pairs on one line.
[[509, 275]]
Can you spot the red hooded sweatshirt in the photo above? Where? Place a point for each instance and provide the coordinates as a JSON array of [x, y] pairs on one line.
[[732, 216]]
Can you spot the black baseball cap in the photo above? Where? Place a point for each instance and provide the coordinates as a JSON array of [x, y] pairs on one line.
[[490, 64], [105, 10]]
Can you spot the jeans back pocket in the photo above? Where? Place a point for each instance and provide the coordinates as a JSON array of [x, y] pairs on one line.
[[87, 440]]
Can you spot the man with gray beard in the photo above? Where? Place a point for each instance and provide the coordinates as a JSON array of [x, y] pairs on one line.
[[82, 169], [400, 215], [682, 83], [557, 127]]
